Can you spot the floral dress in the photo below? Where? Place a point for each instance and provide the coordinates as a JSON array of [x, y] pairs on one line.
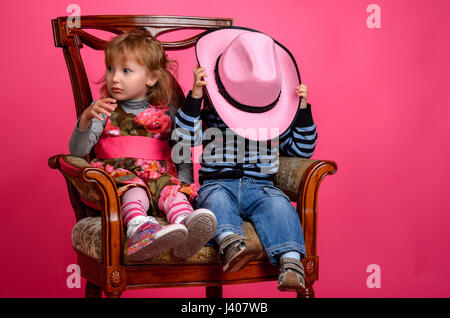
[[151, 174]]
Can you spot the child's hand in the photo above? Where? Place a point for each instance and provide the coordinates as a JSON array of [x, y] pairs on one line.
[[302, 91], [199, 82], [102, 106]]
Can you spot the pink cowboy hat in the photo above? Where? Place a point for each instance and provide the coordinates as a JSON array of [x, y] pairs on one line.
[[252, 81]]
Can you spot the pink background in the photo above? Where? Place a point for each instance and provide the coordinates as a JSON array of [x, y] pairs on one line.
[[381, 111]]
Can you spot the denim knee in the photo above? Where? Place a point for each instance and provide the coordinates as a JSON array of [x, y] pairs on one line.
[[221, 201]]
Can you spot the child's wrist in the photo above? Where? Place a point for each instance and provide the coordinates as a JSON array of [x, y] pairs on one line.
[[197, 94], [192, 105], [303, 104], [84, 121]]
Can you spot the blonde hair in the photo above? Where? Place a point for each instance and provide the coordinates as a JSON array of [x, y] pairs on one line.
[[148, 51]]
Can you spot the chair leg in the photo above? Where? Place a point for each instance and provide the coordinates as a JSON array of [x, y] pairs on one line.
[[92, 290], [113, 294], [309, 291], [214, 292]]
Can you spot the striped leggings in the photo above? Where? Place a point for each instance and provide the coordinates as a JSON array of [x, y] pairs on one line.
[[135, 204]]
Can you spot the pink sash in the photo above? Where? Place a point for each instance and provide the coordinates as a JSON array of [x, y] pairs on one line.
[[132, 147]]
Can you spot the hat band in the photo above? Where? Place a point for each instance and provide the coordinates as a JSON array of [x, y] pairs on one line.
[[235, 103]]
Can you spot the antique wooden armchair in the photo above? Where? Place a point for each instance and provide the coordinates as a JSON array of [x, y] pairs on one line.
[[98, 237]]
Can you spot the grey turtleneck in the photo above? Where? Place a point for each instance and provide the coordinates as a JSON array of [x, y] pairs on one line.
[[82, 141]]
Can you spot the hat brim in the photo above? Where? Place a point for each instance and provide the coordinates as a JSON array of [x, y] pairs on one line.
[[254, 126]]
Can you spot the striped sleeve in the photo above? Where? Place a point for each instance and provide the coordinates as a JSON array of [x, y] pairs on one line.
[[300, 140], [188, 126]]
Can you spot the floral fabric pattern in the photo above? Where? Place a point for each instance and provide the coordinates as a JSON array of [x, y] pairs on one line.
[[156, 122], [151, 175]]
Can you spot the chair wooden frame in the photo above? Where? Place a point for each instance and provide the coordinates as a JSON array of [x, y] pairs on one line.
[[93, 192]]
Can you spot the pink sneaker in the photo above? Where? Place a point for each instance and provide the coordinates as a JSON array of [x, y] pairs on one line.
[[201, 226], [154, 240]]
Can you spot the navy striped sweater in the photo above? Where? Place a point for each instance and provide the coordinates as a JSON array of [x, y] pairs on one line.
[[226, 155]]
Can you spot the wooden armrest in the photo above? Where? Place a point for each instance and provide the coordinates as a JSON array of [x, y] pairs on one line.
[[72, 169], [95, 188]]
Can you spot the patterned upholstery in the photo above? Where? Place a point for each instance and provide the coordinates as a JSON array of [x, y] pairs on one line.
[[87, 239]]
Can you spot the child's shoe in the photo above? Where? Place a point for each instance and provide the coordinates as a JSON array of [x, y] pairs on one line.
[[235, 251], [292, 275], [153, 239], [201, 226]]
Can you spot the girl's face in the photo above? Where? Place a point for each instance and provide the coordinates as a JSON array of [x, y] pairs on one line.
[[128, 80]]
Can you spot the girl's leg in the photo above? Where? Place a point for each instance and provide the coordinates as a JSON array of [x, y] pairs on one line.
[[201, 223], [174, 204], [146, 237], [134, 210]]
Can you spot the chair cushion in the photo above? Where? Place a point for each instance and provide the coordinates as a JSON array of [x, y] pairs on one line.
[[87, 239]]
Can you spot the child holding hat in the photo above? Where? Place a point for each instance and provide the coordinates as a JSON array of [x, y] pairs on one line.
[[255, 110]]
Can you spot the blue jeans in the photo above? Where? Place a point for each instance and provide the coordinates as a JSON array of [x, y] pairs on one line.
[[275, 219]]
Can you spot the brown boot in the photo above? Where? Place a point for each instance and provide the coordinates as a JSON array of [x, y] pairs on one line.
[[235, 251], [292, 275]]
